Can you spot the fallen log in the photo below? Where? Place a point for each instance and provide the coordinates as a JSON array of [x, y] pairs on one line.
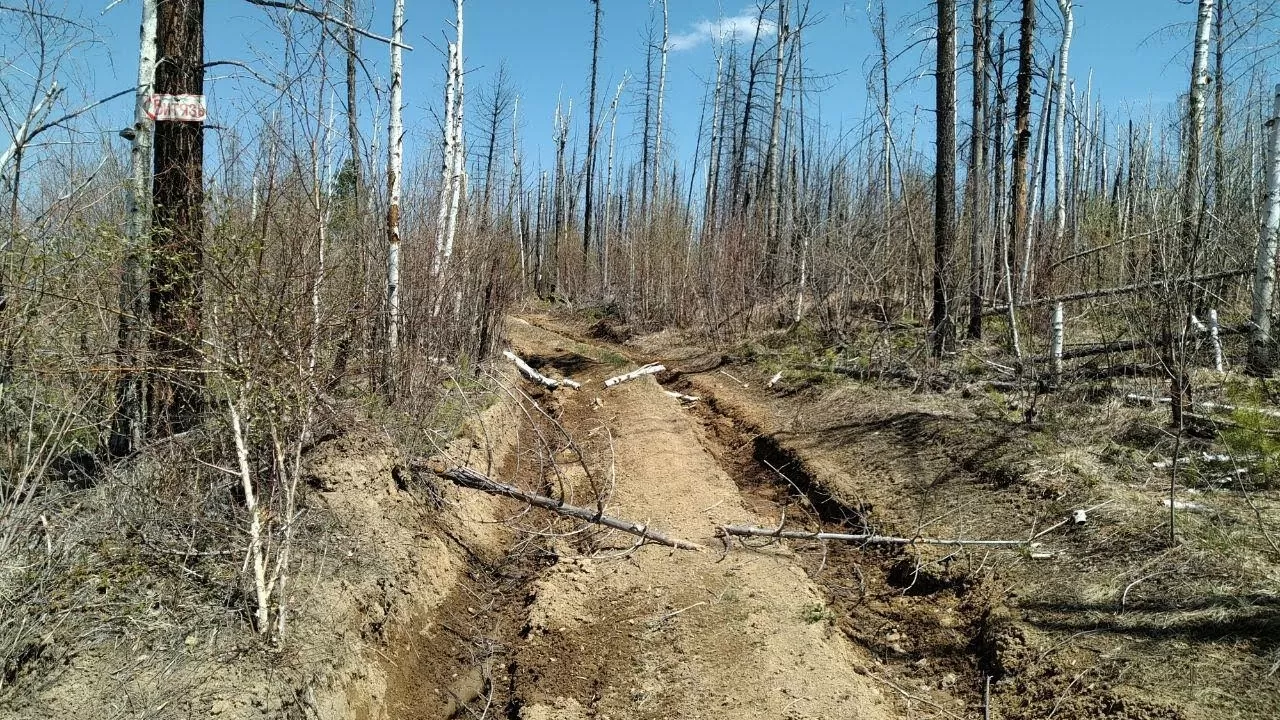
[[468, 478], [1117, 346], [1137, 399], [1122, 290], [536, 376], [650, 369], [682, 397], [753, 531]]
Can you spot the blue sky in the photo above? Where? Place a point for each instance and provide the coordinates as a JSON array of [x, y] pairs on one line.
[[1136, 57]]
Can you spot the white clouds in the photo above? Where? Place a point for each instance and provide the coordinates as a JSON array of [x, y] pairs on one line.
[[739, 27]]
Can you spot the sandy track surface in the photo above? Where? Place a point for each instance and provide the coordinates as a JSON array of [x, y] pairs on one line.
[[660, 633]]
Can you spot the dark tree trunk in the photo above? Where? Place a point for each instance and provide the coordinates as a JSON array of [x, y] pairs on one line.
[[1002, 257], [741, 195], [942, 324], [178, 225], [977, 169], [589, 201], [1022, 126], [353, 115]]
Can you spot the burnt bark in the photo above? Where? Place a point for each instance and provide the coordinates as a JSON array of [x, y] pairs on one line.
[[177, 226]]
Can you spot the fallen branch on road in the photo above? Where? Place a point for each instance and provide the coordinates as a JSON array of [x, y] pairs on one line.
[[650, 369], [468, 478], [752, 531], [536, 376]]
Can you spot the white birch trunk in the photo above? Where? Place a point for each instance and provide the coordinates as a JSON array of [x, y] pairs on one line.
[[608, 187], [650, 369], [1215, 336], [1059, 121], [133, 286], [458, 170], [1191, 199], [256, 556], [446, 163], [662, 87], [1057, 341], [395, 160], [713, 154], [1264, 266]]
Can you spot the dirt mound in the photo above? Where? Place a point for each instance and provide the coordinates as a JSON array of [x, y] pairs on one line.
[[376, 559], [611, 330]]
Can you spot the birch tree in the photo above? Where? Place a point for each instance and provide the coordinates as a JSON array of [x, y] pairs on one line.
[[1059, 123], [1174, 330], [395, 161], [454, 178], [128, 424], [662, 91], [1264, 269], [1192, 182]]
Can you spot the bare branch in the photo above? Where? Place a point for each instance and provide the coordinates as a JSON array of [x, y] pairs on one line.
[[326, 18]]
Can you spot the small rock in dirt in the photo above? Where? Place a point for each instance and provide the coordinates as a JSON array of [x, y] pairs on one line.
[[948, 680], [221, 706]]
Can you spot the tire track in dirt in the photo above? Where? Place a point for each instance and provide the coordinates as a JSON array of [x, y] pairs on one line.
[[657, 633]]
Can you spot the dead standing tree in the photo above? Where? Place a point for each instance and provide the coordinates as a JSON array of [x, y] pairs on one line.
[[588, 207], [1018, 218], [942, 324], [977, 167], [453, 179], [178, 225], [1059, 128], [128, 425], [771, 182]]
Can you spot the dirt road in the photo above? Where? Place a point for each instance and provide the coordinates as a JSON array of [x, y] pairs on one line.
[[652, 632]]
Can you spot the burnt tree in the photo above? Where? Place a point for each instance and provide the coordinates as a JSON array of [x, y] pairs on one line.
[[942, 324], [177, 226]]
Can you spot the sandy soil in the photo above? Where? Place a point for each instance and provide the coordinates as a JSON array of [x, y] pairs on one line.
[[1106, 620], [659, 633], [421, 600]]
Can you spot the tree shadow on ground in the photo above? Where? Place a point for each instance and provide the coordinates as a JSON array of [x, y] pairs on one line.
[[1251, 617]]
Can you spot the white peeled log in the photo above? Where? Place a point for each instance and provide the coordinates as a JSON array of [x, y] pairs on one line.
[[650, 369], [1184, 506], [1215, 336], [536, 376], [1057, 338], [682, 397], [774, 380]]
